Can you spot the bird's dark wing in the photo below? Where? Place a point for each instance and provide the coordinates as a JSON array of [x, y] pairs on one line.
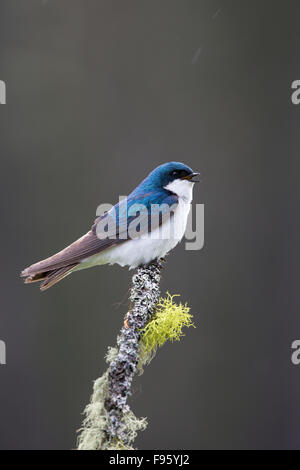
[[110, 229]]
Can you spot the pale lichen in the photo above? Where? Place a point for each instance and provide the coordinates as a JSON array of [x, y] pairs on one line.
[[166, 325], [92, 434]]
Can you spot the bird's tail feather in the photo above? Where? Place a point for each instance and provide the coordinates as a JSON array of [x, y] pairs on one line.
[[47, 278]]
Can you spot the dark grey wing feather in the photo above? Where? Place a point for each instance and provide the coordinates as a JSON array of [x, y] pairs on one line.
[[82, 248]]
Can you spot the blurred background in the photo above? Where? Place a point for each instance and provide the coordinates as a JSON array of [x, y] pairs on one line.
[[98, 94]]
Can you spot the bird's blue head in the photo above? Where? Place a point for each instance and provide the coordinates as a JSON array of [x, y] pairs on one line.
[[168, 176]]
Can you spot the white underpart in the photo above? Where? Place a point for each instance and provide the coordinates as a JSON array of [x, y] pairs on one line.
[[153, 245], [182, 188]]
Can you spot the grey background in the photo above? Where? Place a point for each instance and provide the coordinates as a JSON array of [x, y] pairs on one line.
[[98, 94]]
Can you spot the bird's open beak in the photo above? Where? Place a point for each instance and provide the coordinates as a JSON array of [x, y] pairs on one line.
[[191, 177]]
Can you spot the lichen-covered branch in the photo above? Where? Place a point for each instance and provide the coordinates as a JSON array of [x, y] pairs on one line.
[[109, 422], [144, 296]]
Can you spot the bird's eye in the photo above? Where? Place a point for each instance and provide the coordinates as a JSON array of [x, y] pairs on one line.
[[179, 173]]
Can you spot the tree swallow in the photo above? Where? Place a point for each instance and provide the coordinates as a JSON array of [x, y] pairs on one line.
[[145, 226]]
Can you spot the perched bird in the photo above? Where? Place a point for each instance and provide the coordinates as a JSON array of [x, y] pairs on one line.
[[145, 226]]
